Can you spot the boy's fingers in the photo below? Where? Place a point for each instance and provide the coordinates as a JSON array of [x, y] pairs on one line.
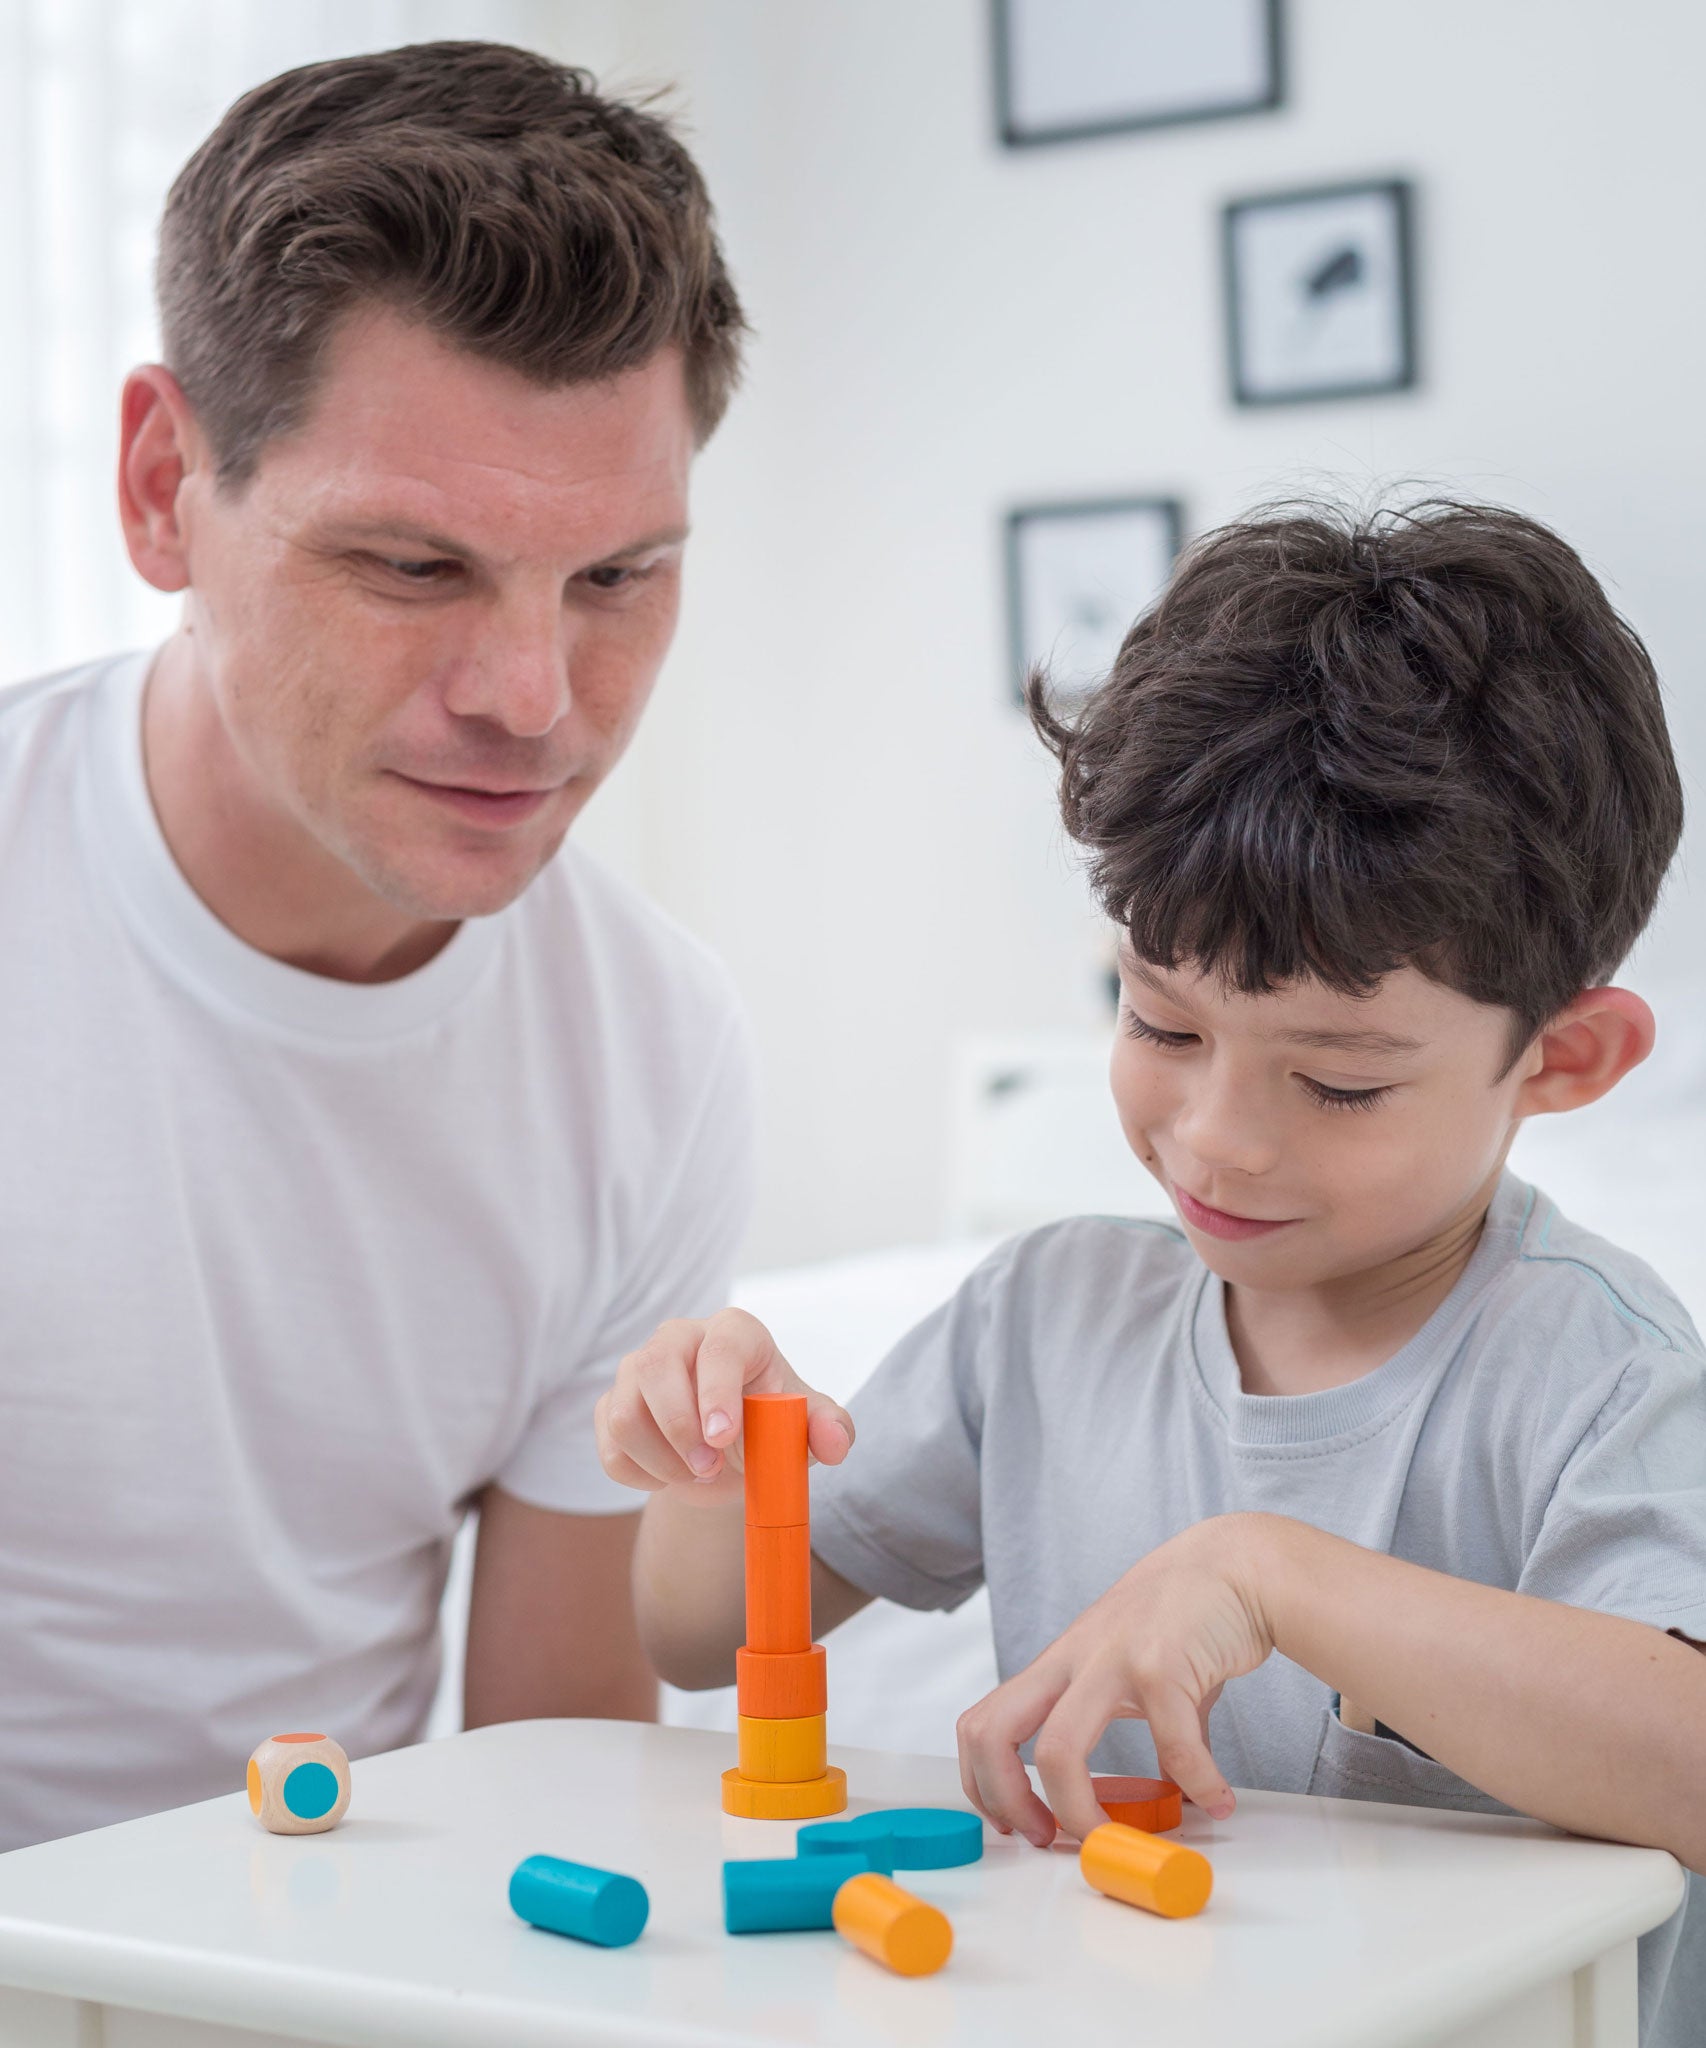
[[1181, 1748], [664, 1378], [829, 1429], [613, 1458], [737, 1356], [989, 1734], [1076, 1723]]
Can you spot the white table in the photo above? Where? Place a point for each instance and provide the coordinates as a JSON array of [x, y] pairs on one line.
[[1331, 1923]]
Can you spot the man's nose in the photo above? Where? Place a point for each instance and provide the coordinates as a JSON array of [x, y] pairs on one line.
[[518, 674]]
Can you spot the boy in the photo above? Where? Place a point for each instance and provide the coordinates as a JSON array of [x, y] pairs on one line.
[[1380, 805]]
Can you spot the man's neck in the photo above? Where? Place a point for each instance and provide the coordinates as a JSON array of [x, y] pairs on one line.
[[1305, 1340], [264, 876]]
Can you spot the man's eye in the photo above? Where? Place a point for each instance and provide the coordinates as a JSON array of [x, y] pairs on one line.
[[611, 577], [417, 572]]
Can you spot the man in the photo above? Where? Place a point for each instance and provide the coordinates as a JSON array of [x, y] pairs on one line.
[[350, 1131]]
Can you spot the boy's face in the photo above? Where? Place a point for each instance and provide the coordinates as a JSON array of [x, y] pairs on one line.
[[1306, 1136]]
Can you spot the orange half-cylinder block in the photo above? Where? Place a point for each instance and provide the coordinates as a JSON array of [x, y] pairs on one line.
[[1152, 1804], [778, 1589], [892, 1926], [1161, 1877], [782, 1752], [781, 1685], [773, 1441]]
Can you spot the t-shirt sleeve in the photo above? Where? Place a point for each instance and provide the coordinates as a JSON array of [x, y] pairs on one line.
[[901, 1517], [683, 1266], [1625, 1529]]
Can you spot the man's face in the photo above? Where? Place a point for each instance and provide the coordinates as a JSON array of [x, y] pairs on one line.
[[431, 619], [1307, 1136]]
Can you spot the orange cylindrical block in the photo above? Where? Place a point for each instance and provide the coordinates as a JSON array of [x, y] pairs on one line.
[[773, 1441], [1161, 1877], [782, 1752], [778, 1589], [1152, 1804], [891, 1925], [781, 1685]]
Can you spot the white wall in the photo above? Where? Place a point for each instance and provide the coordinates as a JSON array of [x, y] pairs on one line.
[[833, 787]]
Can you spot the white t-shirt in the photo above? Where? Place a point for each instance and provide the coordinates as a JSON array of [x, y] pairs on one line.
[[291, 1267]]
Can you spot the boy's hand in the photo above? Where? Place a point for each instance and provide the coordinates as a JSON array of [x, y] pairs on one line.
[[673, 1418], [1158, 1646]]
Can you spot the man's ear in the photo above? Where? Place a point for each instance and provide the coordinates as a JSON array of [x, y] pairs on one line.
[[1586, 1050], [159, 446]]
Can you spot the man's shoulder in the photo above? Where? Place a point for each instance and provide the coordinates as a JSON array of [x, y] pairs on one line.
[[39, 706], [602, 935]]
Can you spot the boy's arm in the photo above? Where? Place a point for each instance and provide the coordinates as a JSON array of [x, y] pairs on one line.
[[1583, 1719], [671, 1426], [690, 1592]]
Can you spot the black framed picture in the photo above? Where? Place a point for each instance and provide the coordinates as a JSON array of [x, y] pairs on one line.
[[1077, 576], [1069, 69], [1320, 293]]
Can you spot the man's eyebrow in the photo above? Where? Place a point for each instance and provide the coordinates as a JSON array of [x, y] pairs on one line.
[[1327, 1041], [441, 544]]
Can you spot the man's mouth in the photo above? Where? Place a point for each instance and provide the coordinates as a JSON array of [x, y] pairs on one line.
[[493, 806]]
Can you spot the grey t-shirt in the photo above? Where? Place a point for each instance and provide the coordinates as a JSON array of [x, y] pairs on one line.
[[1078, 1402]]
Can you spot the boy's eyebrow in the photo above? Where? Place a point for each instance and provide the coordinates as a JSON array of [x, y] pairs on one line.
[[1334, 1041], [1354, 1041]]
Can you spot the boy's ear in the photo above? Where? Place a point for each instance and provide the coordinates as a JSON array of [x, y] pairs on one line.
[[1586, 1050]]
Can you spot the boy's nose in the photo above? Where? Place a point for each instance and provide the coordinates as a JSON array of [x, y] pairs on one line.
[[1224, 1135]]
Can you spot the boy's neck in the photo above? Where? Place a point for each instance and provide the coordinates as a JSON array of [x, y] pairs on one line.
[[1300, 1341]]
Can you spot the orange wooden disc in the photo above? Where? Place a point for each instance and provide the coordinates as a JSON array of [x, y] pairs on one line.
[[781, 1685], [1153, 1804], [773, 1441]]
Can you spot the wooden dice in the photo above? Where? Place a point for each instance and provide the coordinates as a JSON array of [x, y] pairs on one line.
[[298, 1784]]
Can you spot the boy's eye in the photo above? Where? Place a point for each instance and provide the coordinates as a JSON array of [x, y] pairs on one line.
[[1152, 1035], [1343, 1098]]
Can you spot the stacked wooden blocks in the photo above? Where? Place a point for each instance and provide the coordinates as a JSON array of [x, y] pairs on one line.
[[782, 1688]]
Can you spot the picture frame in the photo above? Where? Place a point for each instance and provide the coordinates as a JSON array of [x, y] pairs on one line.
[[1320, 292], [1073, 70], [1078, 573]]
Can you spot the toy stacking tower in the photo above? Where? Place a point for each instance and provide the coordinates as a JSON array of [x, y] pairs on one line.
[[783, 1694]]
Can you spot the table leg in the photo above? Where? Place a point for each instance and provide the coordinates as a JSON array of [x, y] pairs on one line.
[[36, 2019], [1606, 2000]]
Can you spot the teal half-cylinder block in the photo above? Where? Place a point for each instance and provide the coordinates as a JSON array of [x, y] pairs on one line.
[[783, 1894], [575, 1899], [837, 1837], [914, 1837]]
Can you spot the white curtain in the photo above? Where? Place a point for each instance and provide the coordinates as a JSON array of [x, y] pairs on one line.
[[100, 103]]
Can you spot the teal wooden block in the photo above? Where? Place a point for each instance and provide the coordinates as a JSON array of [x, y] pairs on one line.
[[599, 1906], [837, 1837], [782, 1894], [916, 1837]]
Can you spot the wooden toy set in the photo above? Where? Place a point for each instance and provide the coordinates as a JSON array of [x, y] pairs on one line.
[[841, 1873]]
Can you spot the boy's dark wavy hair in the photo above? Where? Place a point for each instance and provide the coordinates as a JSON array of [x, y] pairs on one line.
[[1340, 743]]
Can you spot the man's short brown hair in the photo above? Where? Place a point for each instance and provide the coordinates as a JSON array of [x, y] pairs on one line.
[[1340, 744], [486, 191]]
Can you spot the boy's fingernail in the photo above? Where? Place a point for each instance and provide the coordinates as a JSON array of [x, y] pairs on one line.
[[703, 1461], [717, 1422]]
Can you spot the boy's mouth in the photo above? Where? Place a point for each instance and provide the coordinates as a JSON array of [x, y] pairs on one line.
[[1221, 1222]]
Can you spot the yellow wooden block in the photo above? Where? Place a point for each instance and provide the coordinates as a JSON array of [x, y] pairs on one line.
[[782, 1752], [755, 1799]]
